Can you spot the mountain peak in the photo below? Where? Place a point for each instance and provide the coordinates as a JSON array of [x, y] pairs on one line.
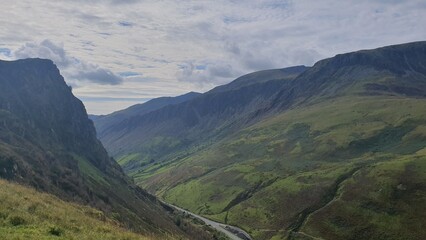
[[29, 61], [39, 63], [261, 77], [395, 58]]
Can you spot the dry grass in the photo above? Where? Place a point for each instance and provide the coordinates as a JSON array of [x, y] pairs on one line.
[[28, 214]]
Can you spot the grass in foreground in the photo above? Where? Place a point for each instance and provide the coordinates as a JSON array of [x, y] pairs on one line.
[[28, 214]]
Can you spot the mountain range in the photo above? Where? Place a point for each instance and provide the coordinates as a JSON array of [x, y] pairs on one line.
[[48, 144], [332, 151]]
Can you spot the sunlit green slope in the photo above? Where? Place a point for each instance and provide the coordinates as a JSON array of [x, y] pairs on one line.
[[265, 176], [341, 152]]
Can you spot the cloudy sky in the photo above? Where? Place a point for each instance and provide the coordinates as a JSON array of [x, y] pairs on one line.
[[117, 53]]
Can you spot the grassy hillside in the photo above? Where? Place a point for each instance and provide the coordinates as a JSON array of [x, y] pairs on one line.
[[384, 201], [28, 214], [280, 163], [268, 178], [145, 138]]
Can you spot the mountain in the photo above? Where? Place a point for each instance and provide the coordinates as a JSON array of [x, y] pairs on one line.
[[261, 77], [48, 142], [149, 138], [336, 152], [339, 75], [105, 122]]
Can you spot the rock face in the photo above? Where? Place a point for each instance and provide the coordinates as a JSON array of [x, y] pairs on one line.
[[48, 142], [34, 94]]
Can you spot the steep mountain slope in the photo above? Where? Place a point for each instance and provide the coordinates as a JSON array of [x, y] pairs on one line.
[[106, 123], [261, 77], [389, 70], [147, 139], [337, 153], [267, 177], [48, 142]]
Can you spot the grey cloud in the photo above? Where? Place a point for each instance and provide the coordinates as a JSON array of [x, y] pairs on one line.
[[99, 75], [114, 2], [257, 63], [186, 72], [89, 17], [222, 71], [251, 56], [125, 24], [233, 48], [72, 68], [120, 2], [305, 56], [210, 73], [277, 4], [260, 55]]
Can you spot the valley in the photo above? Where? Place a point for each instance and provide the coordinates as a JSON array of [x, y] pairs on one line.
[[335, 151], [231, 232], [292, 150], [213, 120]]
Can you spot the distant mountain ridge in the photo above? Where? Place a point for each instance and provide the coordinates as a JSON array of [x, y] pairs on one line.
[[396, 60], [256, 95], [104, 122], [337, 151], [176, 126], [261, 77]]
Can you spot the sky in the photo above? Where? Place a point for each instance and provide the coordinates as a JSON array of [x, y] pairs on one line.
[[118, 53]]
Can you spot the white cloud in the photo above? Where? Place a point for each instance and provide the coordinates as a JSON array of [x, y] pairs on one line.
[[206, 74], [161, 39], [45, 49]]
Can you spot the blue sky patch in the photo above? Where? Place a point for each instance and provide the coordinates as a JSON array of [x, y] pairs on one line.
[[129, 74], [6, 52], [201, 67]]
